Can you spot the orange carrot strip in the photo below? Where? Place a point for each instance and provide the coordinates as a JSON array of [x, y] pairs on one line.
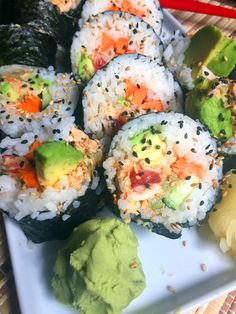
[[156, 105], [35, 144], [121, 45], [139, 95], [107, 42], [9, 79], [183, 168], [31, 104], [130, 88], [30, 178]]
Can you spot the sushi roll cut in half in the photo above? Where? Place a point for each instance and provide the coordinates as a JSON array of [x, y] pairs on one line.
[[147, 10], [30, 94], [129, 86], [49, 187], [163, 172], [108, 35]]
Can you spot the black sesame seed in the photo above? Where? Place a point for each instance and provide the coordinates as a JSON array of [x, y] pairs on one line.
[[98, 85], [157, 146], [24, 85], [22, 164], [117, 76], [211, 167], [200, 186], [106, 89], [177, 142], [209, 152], [150, 142], [59, 120], [208, 146], [188, 178], [206, 73], [135, 31], [54, 131], [2, 111], [201, 203], [8, 116], [121, 163], [193, 150], [147, 185], [24, 142], [186, 135], [36, 136], [68, 109], [148, 161], [10, 122], [143, 140], [135, 154], [169, 152], [29, 120], [144, 148]]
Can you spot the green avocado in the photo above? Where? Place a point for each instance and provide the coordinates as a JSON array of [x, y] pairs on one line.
[[224, 62], [177, 196], [209, 109], [209, 47], [8, 91], [98, 269], [55, 159], [85, 68], [39, 83], [148, 145]]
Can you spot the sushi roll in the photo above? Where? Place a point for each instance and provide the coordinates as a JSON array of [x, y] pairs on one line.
[[26, 45], [50, 187], [108, 35], [163, 171], [49, 17], [129, 86], [147, 10], [30, 95]]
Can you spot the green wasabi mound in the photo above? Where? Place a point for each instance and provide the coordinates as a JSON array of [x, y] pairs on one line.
[[98, 270], [211, 102], [209, 47]]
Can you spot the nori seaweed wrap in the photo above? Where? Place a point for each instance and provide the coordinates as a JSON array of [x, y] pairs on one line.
[[26, 45], [51, 186], [48, 19]]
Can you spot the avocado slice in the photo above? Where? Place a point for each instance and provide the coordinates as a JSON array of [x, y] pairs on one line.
[[39, 83], [148, 145], [8, 91], [177, 196], [202, 104], [203, 47], [224, 62], [86, 68], [55, 159]]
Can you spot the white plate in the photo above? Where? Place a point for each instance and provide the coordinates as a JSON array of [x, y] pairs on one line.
[[166, 263]]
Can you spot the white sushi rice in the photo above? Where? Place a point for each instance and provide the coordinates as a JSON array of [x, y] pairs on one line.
[[64, 97], [152, 13], [100, 97], [173, 54], [142, 38], [19, 201], [196, 146]]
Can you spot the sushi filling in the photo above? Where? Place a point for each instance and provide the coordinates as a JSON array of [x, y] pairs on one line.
[[160, 180], [51, 175], [66, 5]]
